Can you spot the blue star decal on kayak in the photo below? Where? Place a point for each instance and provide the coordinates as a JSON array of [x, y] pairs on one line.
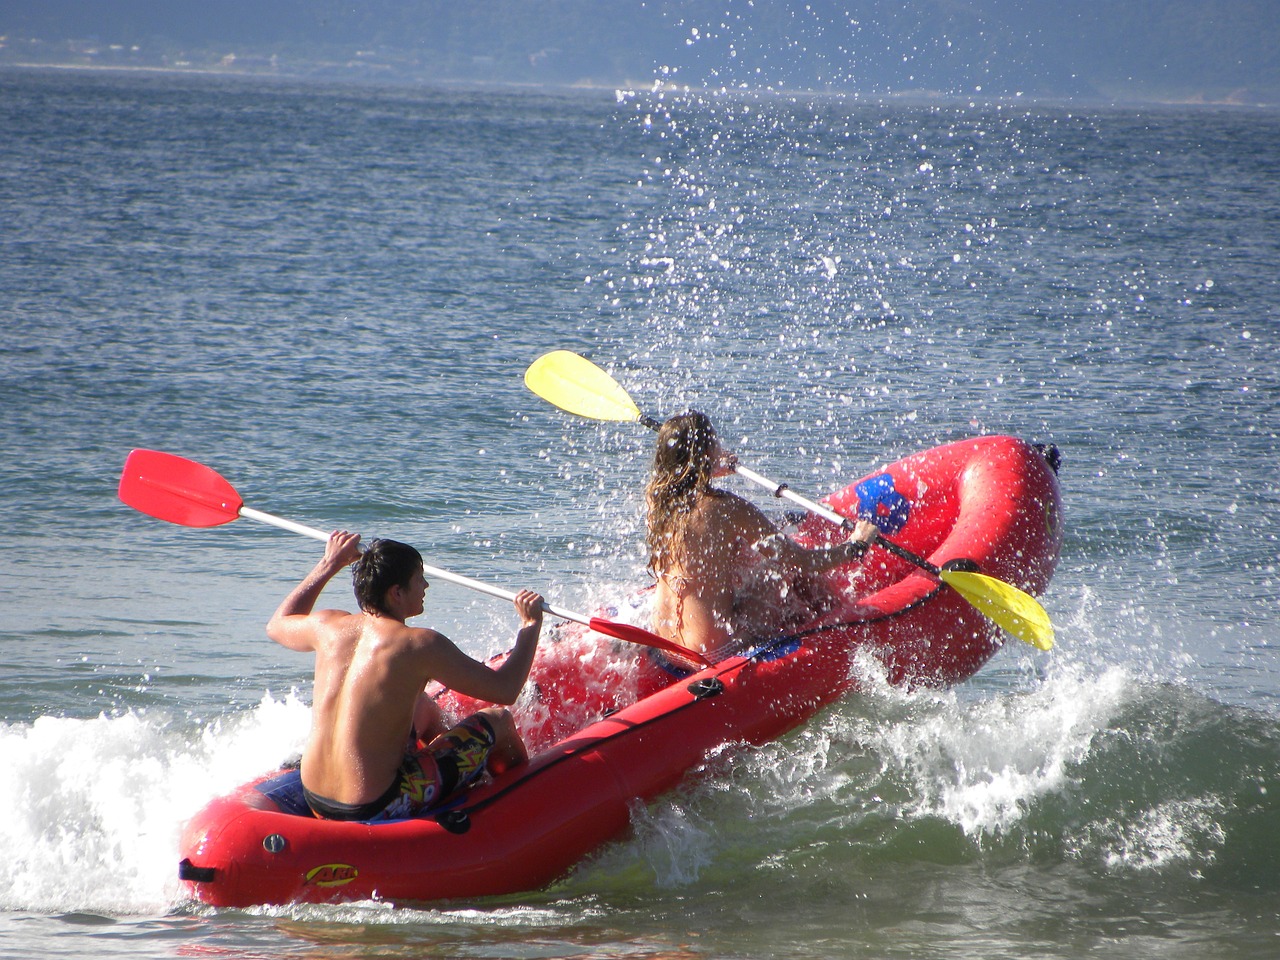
[[880, 502]]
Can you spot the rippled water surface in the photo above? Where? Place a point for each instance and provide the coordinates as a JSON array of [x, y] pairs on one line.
[[331, 294]]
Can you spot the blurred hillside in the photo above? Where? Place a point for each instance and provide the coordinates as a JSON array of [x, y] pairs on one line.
[[1096, 50]]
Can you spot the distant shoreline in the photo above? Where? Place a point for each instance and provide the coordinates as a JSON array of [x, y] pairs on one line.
[[321, 74], [316, 75]]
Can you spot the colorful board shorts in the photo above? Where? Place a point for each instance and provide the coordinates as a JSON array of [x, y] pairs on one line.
[[428, 775]]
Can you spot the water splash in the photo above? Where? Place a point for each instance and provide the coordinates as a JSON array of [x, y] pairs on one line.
[[97, 805]]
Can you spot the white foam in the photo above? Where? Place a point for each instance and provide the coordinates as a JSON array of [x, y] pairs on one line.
[[1176, 832], [675, 845], [983, 765], [96, 807]]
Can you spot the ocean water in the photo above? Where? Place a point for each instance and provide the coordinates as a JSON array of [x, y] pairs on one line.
[[330, 294]]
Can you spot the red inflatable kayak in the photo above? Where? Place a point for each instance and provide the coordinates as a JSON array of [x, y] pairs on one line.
[[607, 727]]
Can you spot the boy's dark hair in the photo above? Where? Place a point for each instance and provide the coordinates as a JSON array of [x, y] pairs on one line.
[[386, 564]]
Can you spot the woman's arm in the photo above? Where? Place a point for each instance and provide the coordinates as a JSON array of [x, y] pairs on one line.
[[786, 552]]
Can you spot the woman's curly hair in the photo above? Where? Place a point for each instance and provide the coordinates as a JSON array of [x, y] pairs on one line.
[[682, 468]]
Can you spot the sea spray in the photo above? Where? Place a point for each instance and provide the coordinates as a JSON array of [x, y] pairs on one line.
[[96, 806], [1107, 770], [982, 765]]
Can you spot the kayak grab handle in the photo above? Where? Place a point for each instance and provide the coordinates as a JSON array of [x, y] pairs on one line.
[[189, 871]]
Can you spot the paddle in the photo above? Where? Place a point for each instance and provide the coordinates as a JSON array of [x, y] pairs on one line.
[[184, 492], [575, 384]]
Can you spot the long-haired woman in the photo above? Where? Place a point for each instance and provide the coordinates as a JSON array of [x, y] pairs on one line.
[[725, 575]]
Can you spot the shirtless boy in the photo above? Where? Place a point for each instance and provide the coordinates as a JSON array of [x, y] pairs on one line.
[[378, 747]]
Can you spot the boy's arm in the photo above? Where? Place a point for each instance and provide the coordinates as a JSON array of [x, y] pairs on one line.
[[501, 684], [292, 625]]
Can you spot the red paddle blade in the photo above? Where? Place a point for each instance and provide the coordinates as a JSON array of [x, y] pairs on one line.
[[624, 631], [176, 489]]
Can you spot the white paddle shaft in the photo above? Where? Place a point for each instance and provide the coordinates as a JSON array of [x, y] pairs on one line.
[[316, 534], [782, 490]]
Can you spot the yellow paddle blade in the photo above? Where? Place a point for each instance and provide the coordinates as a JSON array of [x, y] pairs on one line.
[[1013, 610], [577, 385]]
